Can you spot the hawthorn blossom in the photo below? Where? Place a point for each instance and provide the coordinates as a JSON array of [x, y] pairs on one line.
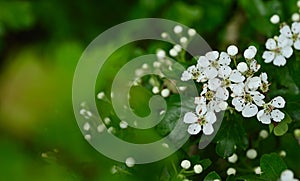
[[270, 113], [292, 34], [201, 120], [277, 51]]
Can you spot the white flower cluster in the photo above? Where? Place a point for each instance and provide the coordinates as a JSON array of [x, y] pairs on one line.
[[222, 83], [279, 48]]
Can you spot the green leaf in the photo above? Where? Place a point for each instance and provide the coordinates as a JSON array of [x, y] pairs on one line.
[[283, 127], [212, 176], [225, 147], [294, 67], [271, 166], [231, 134], [205, 163]]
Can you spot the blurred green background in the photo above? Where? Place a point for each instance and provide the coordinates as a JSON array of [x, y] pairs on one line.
[[40, 45]]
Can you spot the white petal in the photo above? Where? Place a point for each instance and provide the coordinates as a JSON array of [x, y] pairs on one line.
[[268, 56], [253, 48], [242, 67], [224, 71], [213, 55], [186, 76], [211, 72], [194, 129], [236, 76], [279, 60], [190, 117], [214, 83], [254, 65], [249, 53], [238, 103], [237, 89], [203, 62], [277, 115], [258, 99], [287, 51], [208, 129], [222, 93], [223, 105], [200, 100], [264, 77], [296, 27], [271, 44], [201, 109], [284, 41], [286, 31], [249, 110], [210, 117], [297, 44], [278, 102], [263, 117], [224, 59], [253, 83]]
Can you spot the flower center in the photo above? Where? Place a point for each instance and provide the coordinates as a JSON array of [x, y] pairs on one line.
[[215, 64], [209, 95], [195, 73], [226, 83], [201, 121], [268, 108], [264, 87], [248, 98]]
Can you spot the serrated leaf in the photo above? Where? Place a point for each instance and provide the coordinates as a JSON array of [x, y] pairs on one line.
[[212, 176], [271, 166]]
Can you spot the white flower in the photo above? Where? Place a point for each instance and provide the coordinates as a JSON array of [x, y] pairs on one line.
[[193, 73], [295, 17], [233, 158], [198, 168], [160, 54], [263, 134], [173, 52], [191, 32], [155, 90], [185, 164], [130, 162], [183, 40], [209, 64], [202, 120], [287, 175], [242, 67], [251, 154], [275, 19], [257, 170], [232, 50], [296, 35], [231, 171], [245, 103], [264, 82], [86, 126], [123, 124], [250, 52], [277, 51], [165, 92], [177, 29], [270, 113]]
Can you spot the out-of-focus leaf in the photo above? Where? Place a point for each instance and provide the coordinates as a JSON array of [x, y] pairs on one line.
[[212, 176], [271, 166]]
